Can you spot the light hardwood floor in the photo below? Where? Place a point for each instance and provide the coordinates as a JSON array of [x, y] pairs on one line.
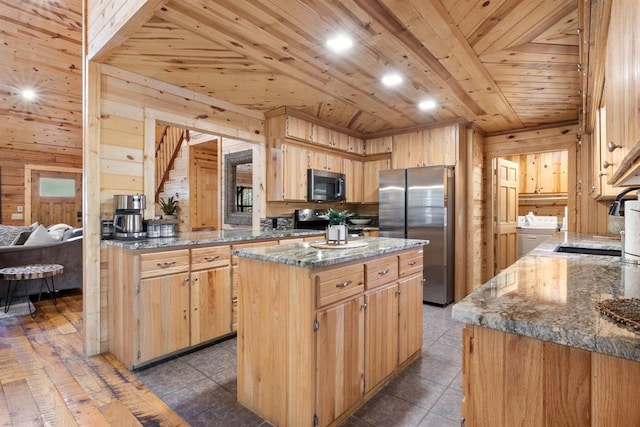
[[45, 378]]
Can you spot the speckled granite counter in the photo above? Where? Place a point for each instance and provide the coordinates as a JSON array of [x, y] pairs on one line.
[[304, 255], [551, 296], [208, 238]]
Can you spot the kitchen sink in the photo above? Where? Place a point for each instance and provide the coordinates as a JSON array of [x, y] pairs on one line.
[[588, 251]]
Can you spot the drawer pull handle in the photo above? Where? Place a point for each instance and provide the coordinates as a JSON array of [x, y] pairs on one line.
[[166, 264], [343, 284], [413, 262], [383, 272], [211, 258]]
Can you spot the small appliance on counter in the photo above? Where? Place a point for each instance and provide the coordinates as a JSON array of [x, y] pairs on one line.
[[106, 229], [127, 218]]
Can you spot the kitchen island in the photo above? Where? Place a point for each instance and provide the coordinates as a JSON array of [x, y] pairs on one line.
[[169, 295], [322, 330], [537, 352]]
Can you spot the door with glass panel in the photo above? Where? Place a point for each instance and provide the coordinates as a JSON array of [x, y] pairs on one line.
[[56, 197]]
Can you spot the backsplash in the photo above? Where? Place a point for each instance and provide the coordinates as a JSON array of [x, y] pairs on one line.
[[276, 223]]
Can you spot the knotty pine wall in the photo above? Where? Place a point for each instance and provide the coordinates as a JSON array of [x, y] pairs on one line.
[[476, 260], [129, 107]]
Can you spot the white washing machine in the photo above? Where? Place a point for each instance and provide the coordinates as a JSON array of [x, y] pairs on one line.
[[533, 230]]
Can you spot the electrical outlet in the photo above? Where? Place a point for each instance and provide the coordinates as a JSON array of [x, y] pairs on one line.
[[16, 216]]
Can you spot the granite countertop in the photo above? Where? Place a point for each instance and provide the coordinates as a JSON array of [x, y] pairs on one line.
[[305, 255], [551, 296], [208, 238]]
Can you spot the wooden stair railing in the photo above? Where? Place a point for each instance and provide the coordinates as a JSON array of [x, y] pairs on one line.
[[167, 149]]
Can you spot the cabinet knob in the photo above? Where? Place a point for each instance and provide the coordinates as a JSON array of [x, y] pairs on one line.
[[211, 258], [611, 146], [606, 164], [195, 279], [602, 173], [364, 305], [398, 292], [412, 262], [383, 272]]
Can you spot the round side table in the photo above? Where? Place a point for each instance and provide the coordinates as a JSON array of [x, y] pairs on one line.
[[24, 273]]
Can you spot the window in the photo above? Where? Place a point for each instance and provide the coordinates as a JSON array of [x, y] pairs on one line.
[[57, 187]]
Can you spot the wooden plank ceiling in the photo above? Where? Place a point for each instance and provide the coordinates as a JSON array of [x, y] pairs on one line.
[[503, 64], [41, 48]]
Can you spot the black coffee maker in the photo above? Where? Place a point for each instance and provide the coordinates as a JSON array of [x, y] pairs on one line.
[[128, 217]]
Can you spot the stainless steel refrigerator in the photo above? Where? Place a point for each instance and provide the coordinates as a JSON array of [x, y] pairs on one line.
[[417, 203]]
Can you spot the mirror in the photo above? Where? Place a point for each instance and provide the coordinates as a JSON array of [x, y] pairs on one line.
[[238, 203]]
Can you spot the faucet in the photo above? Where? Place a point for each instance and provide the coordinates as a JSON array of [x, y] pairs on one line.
[[615, 206]]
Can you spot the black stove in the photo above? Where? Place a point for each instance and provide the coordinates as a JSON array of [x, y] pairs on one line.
[[310, 219]]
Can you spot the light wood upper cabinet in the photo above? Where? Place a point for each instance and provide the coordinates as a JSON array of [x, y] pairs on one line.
[[356, 145], [300, 129], [354, 176], [379, 145], [325, 161], [603, 165], [542, 173], [622, 82], [287, 185], [426, 147], [371, 180]]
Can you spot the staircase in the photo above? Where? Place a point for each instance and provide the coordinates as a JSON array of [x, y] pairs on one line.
[[168, 143]]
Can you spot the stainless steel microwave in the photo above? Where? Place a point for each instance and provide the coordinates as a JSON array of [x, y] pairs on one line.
[[325, 186]]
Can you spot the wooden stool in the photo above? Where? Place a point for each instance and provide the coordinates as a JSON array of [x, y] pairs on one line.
[[24, 273]]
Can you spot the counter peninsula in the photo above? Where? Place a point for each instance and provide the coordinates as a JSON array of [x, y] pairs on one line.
[[537, 352], [322, 330]]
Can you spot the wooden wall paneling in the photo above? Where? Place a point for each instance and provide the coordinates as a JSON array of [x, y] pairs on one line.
[[475, 211], [459, 147], [93, 288]]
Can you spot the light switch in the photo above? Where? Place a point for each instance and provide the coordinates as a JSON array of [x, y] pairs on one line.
[[16, 216], [19, 208]]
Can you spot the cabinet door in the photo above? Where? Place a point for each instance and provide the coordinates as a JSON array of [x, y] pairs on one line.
[[371, 179], [409, 316], [378, 145], [300, 129], [163, 316], [354, 175], [381, 332], [294, 183], [408, 150], [334, 163], [340, 140], [339, 359], [210, 304], [356, 145]]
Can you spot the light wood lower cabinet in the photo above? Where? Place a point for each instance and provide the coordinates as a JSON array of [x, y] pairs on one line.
[[166, 301], [513, 380], [339, 359], [331, 343], [162, 305]]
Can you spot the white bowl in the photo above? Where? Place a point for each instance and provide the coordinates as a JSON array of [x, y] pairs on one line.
[[360, 221]]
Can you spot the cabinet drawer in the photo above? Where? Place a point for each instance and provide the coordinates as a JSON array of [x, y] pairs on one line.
[[163, 263], [337, 284], [210, 257], [411, 262], [380, 271]]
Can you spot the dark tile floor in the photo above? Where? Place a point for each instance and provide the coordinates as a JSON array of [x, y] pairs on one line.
[[201, 386]]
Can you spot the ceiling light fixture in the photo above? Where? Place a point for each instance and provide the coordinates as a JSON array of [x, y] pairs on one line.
[[427, 104], [340, 43], [391, 79], [28, 94]]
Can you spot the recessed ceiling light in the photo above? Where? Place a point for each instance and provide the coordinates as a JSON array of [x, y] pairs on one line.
[[391, 79], [28, 94], [340, 43], [427, 104]]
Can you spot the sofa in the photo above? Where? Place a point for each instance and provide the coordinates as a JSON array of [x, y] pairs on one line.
[[59, 244]]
